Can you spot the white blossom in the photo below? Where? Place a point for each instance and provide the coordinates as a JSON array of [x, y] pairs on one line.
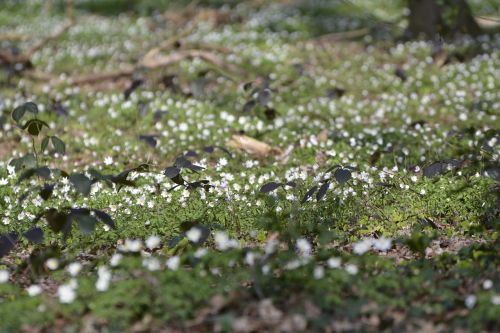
[[4, 276], [194, 234], [74, 268], [34, 290], [66, 294], [152, 242], [470, 301], [173, 263]]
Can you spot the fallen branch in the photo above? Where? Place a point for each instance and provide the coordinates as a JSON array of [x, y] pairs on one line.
[[24, 58], [167, 44], [98, 77], [50, 38], [163, 61], [339, 36], [150, 63], [12, 37], [153, 59]]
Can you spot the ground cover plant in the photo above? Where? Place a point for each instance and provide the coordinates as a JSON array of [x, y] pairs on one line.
[[257, 166]]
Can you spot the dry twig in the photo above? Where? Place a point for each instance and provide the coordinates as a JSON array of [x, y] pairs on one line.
[[24, 58]]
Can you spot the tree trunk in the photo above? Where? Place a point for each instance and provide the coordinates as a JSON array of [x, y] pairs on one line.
[[430, 18]]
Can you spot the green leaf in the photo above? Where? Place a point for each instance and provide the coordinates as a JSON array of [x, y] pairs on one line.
[[20, 111], [34, 235], [46, 191], [59, 145], [57, 220], [26, 175], [81, 183], [105, 218], [43, 172], [27, 161], [31, 107], [86, 223], [34, 126], [45, 143]]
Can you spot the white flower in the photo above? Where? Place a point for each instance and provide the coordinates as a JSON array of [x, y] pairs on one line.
[[487, 284], [4, 276], [495, 299], [152, 242], [470, 301], [351, 269], [115, 259], [132, 245], [66, 294], [152, 264], [422, 192], [362, 246], [319, 272], [200, 252], [383, 244], [304, 247], [108, 160], [223, 242], [293, 264], [194, 234], [34, 290], [73, 283], [334, 262], [250, 258], [270, 247], [3, 181], [183, 127], [74, 268], [103, 278], [173, 263], [223, 162], [52, 264]]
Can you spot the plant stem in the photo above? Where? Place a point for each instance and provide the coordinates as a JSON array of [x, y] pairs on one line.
[[34, 150]]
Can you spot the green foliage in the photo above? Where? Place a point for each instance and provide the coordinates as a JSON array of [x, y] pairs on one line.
[[369, 141]]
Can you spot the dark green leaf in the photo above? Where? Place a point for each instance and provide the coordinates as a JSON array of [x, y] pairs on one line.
[[81, 182], [264, 97], [249, 105], [104, 218], [57, 220], [182, 162], [27, 161], [45, 143], [7, 243], [322, 191], [149, 139], [34, 126], [26, 175], [171, 172], [342, 175], [269, 187], [20, 111], [178, 180], [195, 168], [46, 191], [60, 173], [43, 172], [34, 235], [59, 145], [309, 193], [86, 223]]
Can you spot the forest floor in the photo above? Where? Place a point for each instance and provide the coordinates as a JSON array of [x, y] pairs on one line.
[[279, 166]]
